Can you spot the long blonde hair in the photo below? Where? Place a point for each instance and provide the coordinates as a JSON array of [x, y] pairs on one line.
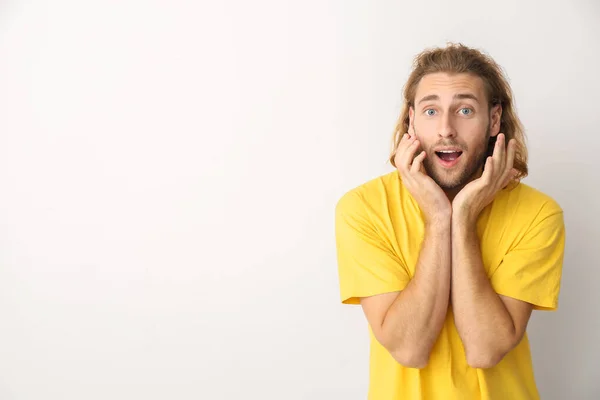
[[458, 58]]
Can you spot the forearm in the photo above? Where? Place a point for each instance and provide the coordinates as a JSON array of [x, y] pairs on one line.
[[483, 322], [414, 320]]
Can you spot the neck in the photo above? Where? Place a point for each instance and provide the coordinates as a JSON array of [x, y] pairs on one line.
[[451, 193]]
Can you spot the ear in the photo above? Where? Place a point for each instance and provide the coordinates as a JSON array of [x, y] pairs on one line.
[[495, 119]]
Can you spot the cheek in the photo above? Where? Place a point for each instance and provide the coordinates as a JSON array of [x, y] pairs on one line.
[[477, 147], [472, 132], [472, 126], [425, 128]]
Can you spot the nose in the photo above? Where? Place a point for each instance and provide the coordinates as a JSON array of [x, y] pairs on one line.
[[446, 127]]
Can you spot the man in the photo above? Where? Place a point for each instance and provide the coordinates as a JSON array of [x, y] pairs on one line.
[[449, 254]]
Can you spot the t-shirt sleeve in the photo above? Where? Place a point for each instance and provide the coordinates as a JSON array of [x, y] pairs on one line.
[[367, 264], [532, 270]]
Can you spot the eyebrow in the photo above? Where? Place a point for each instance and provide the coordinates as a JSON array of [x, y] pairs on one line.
[[458, 96]]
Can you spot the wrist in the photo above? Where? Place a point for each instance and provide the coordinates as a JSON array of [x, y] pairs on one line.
[[439, 223], [463, 221], [464, 213]]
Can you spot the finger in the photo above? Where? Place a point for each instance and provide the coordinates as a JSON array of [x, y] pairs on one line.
[[499, 154], [418, 162], [408, 154], [512, 174], [509, 178], [400, 148], [509, 172], [488, 171], [404, 141], [510, 156]]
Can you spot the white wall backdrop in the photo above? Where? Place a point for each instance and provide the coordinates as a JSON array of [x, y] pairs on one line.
[[169, 171]]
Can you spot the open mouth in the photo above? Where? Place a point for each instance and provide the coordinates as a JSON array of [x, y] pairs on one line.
[[448, 155]]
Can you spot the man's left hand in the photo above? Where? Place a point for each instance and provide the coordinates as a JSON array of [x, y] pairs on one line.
[[476, 195]]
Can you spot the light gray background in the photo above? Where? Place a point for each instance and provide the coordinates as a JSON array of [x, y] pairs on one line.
[[169, 171]]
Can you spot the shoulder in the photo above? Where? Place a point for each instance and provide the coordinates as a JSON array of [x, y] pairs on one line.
[[532, 201], [525, 208], [368, 194]]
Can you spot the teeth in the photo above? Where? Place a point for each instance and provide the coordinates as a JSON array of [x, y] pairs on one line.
[[447, 151]]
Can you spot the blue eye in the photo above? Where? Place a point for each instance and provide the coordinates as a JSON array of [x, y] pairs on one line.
[[428, 113], [466, 109]]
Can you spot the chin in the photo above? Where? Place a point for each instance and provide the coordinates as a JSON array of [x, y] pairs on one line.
[[456, 177], [450, 180], [450, 185]]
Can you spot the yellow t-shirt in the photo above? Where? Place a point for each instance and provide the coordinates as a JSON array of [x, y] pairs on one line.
[[379, 231]]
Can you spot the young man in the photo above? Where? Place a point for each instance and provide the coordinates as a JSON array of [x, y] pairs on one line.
[[449, 254]]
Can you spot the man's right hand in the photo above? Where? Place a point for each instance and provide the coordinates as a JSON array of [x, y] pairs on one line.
[[429, 195]]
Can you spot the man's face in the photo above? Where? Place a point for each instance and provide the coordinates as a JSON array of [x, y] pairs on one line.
[[453, 123]]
